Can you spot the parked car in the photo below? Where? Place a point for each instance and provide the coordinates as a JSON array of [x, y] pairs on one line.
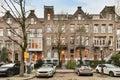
[[9, 69], [53, 65], [84, 69], [109, 69], [45, 70]]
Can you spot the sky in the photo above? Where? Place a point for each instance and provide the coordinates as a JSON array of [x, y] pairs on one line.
[[68, 6]]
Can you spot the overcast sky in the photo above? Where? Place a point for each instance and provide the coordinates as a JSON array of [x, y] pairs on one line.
[[69, 6]]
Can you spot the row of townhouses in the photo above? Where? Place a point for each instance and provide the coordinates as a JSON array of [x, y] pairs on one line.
[[101, 31]]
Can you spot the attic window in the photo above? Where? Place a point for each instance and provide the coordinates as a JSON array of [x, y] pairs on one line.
[[48, 16], [32, 21], [9, 21], [79, 16]]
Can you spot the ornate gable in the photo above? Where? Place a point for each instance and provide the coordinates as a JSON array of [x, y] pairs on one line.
[[79, 15]]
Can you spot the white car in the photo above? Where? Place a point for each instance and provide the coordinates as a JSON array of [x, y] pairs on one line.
[[109, 69], [45, 70]]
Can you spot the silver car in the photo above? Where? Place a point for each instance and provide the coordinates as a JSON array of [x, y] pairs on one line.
[[45, 70], [84, 69]]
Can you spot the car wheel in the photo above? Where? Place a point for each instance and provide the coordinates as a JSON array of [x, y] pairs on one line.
[[10, 73], [91, 74], [78, 73], [97, 71], [111, 74]]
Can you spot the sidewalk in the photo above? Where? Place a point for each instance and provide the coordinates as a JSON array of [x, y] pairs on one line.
[[26, 76]]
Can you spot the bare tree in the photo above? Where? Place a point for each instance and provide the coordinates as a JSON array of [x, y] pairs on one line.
[[81, 32], [17, 9], [58, 31]]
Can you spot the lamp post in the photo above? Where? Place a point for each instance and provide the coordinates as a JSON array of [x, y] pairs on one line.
[[101, 50]]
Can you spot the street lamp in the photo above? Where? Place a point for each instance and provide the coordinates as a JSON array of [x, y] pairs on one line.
[[101, 50]]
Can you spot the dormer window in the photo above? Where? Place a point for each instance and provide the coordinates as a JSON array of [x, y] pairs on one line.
[[9, 21], [48, 16], [32, 21]]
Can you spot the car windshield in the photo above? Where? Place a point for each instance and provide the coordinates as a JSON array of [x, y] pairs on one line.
[[7, 65], [85, 66], [46, 66], [111, 66]]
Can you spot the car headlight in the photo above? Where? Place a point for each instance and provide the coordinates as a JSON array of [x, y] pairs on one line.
[[50, 71]]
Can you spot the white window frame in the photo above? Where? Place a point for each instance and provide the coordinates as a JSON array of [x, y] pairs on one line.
[[103, 29], [95, 29], [32, 32], [72, 28], [110, 29], [1, 32], [48, 41], [39, 32], [49, 28], [8, 32]]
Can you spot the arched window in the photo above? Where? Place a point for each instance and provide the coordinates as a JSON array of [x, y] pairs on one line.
[[48, 54]]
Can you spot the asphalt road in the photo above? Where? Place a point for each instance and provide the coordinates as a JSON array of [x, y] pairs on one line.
[[73, 76]]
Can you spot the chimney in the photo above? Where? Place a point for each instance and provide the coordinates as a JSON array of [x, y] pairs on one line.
[[79, 7], [32, 11]]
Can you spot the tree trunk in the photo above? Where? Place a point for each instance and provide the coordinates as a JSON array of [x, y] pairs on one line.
[[22, 64]]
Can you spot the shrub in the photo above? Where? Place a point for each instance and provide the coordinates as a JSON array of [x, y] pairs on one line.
[[71, 64], [93, 64]]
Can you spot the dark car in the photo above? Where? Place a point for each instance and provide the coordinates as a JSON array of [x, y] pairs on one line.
[[9, 69]]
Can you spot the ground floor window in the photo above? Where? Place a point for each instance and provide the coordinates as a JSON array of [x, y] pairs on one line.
[[48, 54], [16, 56]]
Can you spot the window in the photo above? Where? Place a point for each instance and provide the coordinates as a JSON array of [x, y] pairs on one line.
[[16, 32], [86, 28], [49, 28], [8, 44], [55, 41], [35, 43], [8, 32], [39, 32], [9, 21], [77, 39], [71, 40], [111, 40], [63, 28], [63, 40], [16, 56], [48, 39], [71, 50], [55, 54], [1, 32], [15, 46], [48, 54], [110, 28], [48, 16], [110, 17], [103, 29], [95, 28], [32, 21], [99, 41], [79, 16], [72, 28], [32, 32], [86, 41]]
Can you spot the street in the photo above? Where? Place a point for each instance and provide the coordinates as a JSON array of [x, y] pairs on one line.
[[73, 76]]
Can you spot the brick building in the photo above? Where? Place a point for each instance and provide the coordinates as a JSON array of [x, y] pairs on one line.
[[100, 30]]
